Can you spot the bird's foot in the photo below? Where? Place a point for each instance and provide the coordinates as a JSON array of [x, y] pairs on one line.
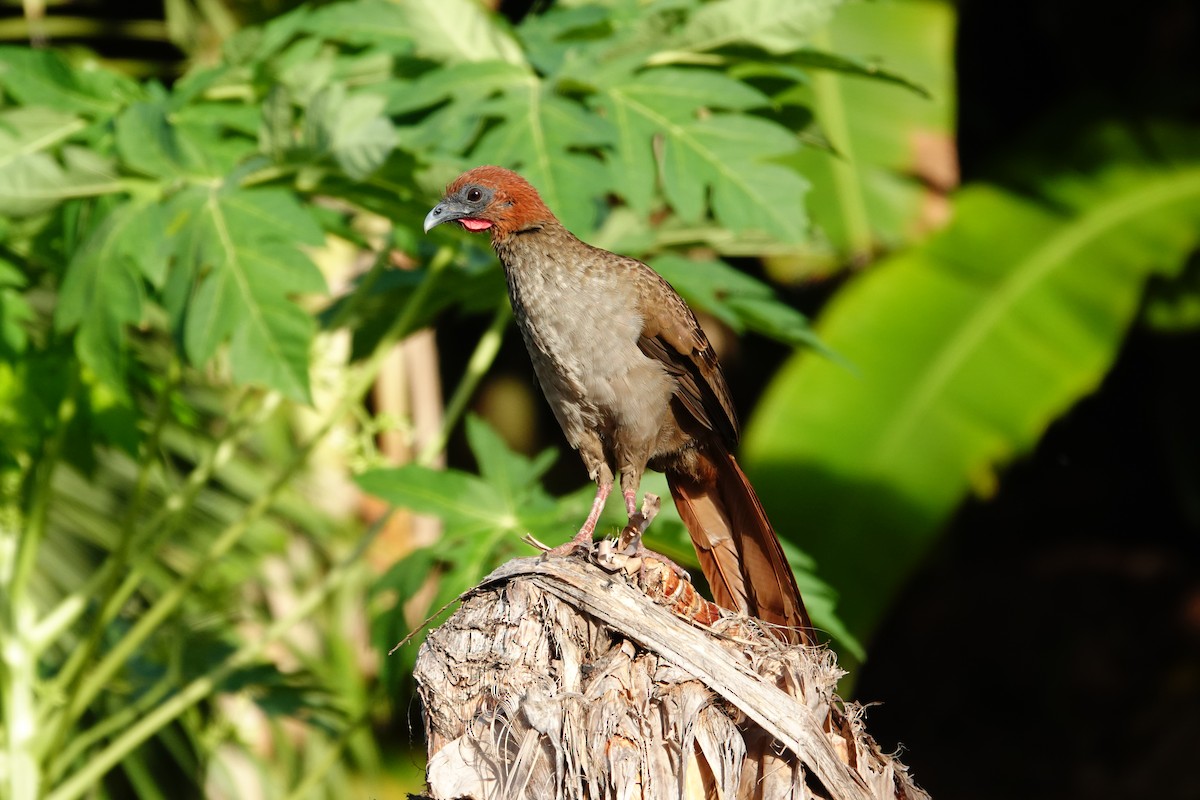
[[630, 542], [579, 543], [639, 521]]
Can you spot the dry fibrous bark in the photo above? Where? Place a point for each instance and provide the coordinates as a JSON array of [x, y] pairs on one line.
[[564, 678]]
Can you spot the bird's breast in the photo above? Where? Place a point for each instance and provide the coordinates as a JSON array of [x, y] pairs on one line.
[[581, 325]]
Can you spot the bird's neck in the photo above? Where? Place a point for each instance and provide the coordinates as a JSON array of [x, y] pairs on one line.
[[544, 246]]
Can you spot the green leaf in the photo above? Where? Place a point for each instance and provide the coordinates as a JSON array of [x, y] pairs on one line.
[[146, 142], [103, 292], [460, 30], [36, 182], [28, 130], [643, 107], [820, 59], [881, 184], [703, 152], [777, 26], [15, 312], [276, 135], [466, 82], [733, 297], [746, 195], [353, 129], [966, 349], [44, 78], [377, 23], [238, 248], [512, 474], [465, 503], [539, 134]]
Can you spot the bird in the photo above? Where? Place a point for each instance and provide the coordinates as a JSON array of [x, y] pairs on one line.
[[634, 383]]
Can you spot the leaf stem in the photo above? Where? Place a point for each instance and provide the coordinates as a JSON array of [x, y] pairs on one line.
[[480, 362], [330, 757], [99, 763], [102, 761], [831, 112], [145, 540]]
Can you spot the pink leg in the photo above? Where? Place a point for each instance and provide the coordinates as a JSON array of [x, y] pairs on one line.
[[583, 539], [589, 525], [630, 502], [631, 538]]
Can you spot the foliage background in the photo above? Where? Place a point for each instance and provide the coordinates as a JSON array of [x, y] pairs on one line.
[[991, 469]]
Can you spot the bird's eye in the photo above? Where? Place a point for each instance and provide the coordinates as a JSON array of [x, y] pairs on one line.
[[474, 195]]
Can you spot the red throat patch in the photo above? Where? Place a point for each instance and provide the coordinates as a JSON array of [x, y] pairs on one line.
[[474, 225]]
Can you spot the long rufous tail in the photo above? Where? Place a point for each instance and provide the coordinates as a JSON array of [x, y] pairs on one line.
[[739, 553]]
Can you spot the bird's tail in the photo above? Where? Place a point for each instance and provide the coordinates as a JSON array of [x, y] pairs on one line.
[[739, 553]]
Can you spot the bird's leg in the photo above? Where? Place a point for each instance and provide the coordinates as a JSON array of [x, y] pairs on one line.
[[583, 539], [630, 542]]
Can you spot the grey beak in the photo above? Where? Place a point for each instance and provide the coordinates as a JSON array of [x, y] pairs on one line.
[[437, 216]]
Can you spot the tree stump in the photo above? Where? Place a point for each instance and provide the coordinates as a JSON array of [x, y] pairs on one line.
[[611, 678]]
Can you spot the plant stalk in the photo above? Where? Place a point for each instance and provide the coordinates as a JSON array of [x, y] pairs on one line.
[[157, 614]]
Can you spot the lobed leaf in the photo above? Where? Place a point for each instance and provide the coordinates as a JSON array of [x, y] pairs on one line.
[[540, 134], [740, 301], [31, 183], [460, 30], [701, 151], [33, 129], [238, 264], [777, 26], [351, 128], [103, 288], [45, 78]]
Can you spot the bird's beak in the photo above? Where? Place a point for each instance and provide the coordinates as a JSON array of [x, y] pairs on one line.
[[445, 211]]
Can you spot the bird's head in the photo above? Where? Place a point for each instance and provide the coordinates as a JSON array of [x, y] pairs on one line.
[[490, 198]]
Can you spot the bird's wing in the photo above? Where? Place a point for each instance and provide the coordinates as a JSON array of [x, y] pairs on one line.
[[671, 334]]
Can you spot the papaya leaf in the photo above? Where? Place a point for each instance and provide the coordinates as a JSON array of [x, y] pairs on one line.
[[45, 78], [483, 517], [879, 185], [642, 106], [15, 312], [725, 154], [540, 133], [148, 143], [777, 26], [465, 82], [460, 30], [740, 301], [33, 129], [103, 289], [820, 59], [367, 23], [351, 128], [31, 183], [239, 263], [966, 349]]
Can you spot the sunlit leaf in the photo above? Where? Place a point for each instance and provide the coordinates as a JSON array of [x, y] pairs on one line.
[[32, 129], [777, 26], [103, 289], [352, 128], [540, 133], [460, 30], [735, 298], [36, 182], [44, 78], [703, 154], [148, 143], [240, 248], [881, 185]]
